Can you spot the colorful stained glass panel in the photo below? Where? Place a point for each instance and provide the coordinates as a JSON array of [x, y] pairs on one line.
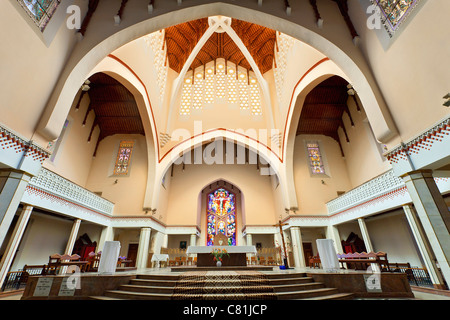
[[40, 10], [395, 11], [123, 159], [315, 158], [221, 216]]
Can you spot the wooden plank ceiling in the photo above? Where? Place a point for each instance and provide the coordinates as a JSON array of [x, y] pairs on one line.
[[115, 108], [323, 109], [181, 40]]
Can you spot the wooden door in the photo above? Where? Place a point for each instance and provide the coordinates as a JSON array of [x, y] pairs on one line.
[[132, 253], [307, 252]]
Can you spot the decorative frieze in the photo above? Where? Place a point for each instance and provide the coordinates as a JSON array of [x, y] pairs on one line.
[[51, 191], [20, 153], [423, 150]]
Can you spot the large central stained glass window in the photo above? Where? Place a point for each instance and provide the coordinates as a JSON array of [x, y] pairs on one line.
[[221, 217]]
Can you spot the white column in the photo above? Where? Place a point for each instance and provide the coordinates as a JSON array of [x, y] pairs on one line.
[[333, 234], [297, 247], [367, 242], [144, 245], [424, 248], [433, 214], [12, 188], [193, 241], [165, 241], [73, 237], [365, 235], [249, 239], [249, 242], [106, 235], [14, 242]]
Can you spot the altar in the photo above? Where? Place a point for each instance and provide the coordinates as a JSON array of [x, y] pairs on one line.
[[237, 255]]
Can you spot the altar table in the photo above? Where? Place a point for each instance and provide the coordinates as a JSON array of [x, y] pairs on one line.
[[237, 255]]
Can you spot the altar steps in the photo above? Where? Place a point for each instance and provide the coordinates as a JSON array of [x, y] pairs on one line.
[[291, 286]]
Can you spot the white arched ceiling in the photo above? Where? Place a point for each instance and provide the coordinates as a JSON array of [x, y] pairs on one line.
[[97, 45], [222, 24], [119, 72]]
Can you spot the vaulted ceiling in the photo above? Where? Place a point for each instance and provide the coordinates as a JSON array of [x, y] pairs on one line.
[[115, 108], [181, 40], [323, 109]]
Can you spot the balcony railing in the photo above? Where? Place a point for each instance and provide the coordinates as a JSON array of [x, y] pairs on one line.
[[54, 184]]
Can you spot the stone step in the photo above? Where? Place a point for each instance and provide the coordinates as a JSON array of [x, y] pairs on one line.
[[154, 283], [285, 275], [128, 295], [298, 287], [337, 296], [282, 281], [158, 277], [103, 298], [294, 295], [223, 290], [146, 289]]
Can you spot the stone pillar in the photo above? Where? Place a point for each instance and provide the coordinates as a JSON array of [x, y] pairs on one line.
[[14, 242], [424, 248], [277, 241], [193, 241], [367, 242], [297, 247], [73, 237], [333, 234], [249, 239], [106, 235], [433, 214], [365, 235], [144, 245], [165, 241], [12, 187], [249, 242]]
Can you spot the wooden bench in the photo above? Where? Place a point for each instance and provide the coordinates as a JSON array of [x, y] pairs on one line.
[[362, 261]]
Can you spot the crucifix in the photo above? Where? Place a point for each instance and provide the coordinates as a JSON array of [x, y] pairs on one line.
[[280, 225]]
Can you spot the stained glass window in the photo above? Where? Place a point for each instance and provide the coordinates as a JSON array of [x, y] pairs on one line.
[[221, 216], [394, 12], [122, 166], [315, 158], [40, 11]]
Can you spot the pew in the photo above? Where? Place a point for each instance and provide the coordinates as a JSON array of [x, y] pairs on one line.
[[362, 261]]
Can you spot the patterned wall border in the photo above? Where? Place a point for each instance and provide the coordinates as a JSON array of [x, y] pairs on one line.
[[421, 143]]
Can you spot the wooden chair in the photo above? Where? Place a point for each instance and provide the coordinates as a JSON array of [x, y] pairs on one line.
[[177, 261], [172, 262], [270, 261], [262, 261], [190, 261], [253, 260], [183, 261], [195, 261]]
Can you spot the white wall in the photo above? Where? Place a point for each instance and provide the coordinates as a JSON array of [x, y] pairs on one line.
[[129, 191], [73, 158], [390, 233], [44, 236], [312, 194], [411, 73]]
